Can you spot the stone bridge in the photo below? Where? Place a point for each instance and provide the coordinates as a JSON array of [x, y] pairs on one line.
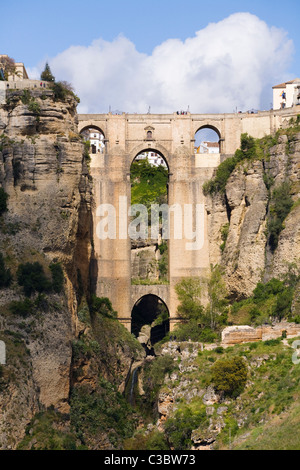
[[173, 137]]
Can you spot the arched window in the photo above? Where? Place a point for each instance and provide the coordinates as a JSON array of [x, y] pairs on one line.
[[95, 136], [207, 140], [149, 135]]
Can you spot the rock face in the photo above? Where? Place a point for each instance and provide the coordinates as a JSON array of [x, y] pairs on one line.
[[245, 207], [42, 171]]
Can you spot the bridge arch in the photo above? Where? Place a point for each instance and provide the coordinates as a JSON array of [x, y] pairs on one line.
[[208, 139], [159, 149], [151, 311], [85, 127], [209, 126], [95, 136]]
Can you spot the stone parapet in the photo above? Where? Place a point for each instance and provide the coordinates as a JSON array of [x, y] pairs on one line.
[[20, 85]]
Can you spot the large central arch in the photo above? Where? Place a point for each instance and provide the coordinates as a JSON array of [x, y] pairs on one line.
[[149, 185]]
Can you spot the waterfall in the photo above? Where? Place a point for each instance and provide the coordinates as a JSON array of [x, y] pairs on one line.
[[134, 378]]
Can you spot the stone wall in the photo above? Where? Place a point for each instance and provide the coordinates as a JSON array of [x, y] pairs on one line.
[[232, 335]]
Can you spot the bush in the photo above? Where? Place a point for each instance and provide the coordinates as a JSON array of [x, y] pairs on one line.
[[154, 376], [248, 150], [102, 306], [57, 277], [283, 305], [230, 376], [3, 201], [178, 429], [33, 279], [34, 108], [100, 411], [218, 183], [62, 90], [264, 291], [22, 308], [280, 207], [5, 275]]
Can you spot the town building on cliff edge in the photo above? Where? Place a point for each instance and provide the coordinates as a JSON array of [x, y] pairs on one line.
[[286, 95]]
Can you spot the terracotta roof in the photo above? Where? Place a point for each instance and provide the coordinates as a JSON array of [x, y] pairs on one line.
[[212, 144], [283, 85]]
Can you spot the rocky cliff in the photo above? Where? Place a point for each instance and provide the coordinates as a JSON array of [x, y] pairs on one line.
[[240, 217], [48, 221], [42, 171]]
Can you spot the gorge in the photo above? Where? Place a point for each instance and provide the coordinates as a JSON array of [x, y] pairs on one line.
[[70, 354]]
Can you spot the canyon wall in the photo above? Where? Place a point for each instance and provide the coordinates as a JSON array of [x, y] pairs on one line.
[[244, 209]]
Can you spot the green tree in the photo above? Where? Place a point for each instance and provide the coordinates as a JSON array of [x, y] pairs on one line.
[[189, 294], [47, 75], [230, 376], [57, 277], [217, 293], [32, 277]]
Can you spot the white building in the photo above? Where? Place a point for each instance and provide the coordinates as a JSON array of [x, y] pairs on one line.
[[286, 95], [208, 147], [96, 139], [153, 158]]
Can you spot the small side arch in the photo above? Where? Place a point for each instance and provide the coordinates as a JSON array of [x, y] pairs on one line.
[[208, 139], [95, 136], [88, 127], [150, 320], [209, 126]]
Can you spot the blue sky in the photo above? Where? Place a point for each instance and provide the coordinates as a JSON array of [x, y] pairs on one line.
[[34, 32]]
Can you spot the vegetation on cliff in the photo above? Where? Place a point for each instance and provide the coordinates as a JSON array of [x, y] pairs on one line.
[[230, 406]]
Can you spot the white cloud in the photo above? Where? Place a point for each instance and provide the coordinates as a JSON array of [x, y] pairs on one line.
[[229, 64]]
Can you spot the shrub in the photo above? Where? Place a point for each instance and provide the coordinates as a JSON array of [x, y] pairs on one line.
[[218, 183], [264, 291], [224, 235], [5, 274], [3, 201], [57, 277], [23, 308], [34, 108], [248, 150], [178, 429], [100, 411], [62, 90], [26, 97], [280, 206], [32, 277], [101, 305], [230, 376], [154, 375], [282, 307]]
